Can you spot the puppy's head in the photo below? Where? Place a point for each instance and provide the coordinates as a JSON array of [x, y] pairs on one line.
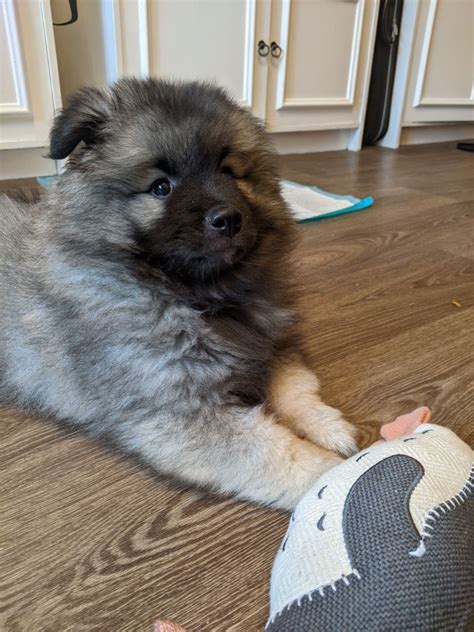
[[175, 174]]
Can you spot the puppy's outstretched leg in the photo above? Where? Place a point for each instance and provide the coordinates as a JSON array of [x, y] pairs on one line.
[[294, 397], [243, 452]]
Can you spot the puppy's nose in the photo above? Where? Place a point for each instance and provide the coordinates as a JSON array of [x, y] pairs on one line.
[[225, 221]]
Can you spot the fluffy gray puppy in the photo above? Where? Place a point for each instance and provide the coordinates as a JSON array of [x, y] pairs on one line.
[[145, 297]]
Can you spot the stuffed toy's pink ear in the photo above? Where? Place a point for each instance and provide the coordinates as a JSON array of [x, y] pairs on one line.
[[167, 626], [405, 424]]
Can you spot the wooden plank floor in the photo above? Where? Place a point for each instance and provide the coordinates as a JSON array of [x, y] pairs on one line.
[[92, 541]]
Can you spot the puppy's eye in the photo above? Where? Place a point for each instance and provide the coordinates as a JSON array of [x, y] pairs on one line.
[[161, 187]]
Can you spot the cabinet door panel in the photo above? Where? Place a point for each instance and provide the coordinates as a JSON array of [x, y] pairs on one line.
[[319, 34], [12, 84], [209, 40], [451, 48], [320, 79], [442, 72], [28, 81]]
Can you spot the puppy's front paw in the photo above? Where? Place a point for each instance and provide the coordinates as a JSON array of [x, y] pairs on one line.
[[326, 427]]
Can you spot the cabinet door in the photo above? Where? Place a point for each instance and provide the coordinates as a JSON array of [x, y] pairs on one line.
[[29, 90], [320, 80], [441, 81], [209, 40]]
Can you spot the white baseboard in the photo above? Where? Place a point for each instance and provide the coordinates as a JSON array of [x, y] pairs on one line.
[[436, 133], [337, 139], [309, 142], [25, 163]]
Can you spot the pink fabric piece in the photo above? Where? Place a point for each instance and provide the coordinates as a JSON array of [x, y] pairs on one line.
[[405, 424], [167, 626]]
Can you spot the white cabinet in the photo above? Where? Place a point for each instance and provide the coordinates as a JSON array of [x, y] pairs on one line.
[[434, 83], [29, 88], [317, 78]]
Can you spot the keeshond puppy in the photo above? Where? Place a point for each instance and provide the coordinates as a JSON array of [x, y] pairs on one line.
[[146, 298]]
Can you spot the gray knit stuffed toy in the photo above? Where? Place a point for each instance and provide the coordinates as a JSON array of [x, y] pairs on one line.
[[384, 541]]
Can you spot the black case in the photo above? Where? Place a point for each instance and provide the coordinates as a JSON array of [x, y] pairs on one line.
[[383, 71]]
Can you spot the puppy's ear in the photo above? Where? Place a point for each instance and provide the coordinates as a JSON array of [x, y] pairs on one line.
[[82, 120]]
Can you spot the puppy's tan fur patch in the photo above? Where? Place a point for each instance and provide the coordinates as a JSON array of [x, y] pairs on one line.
[[294, 397]]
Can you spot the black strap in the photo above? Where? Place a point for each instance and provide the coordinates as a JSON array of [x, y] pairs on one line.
[[74, 14]]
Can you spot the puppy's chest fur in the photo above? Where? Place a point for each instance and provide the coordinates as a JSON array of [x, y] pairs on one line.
[[227, 350], [248, 338], [110, 349]]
